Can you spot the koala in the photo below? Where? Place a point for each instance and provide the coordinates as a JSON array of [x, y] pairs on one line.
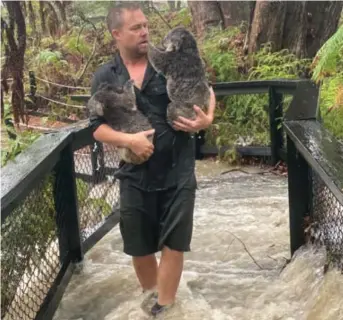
[[180, 62], [117, 105]]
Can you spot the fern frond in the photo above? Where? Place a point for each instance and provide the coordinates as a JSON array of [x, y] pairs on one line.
[[328, 56]]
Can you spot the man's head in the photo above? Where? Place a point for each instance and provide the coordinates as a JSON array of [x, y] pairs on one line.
[[129, 27]]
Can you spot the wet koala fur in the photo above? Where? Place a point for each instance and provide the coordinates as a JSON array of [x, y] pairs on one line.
[[117, 105], [179, 61]]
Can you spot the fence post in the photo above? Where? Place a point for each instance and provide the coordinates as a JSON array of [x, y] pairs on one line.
[[97, 153], [299, 194], [275, 124], [66, 205], [33, 85]]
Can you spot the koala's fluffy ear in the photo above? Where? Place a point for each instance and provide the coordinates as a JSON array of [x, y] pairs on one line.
[[96, 107], [129, 86], [171, 47]]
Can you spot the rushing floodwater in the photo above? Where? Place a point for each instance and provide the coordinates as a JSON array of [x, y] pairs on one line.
[[235, 270]]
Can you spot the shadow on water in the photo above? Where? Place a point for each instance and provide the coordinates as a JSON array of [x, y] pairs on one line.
[[235, 271]]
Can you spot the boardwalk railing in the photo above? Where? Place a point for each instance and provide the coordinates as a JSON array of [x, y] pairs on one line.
[[59, 197], [315, 178]]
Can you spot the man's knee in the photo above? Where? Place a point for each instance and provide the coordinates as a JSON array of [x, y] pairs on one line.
[[166, 250]]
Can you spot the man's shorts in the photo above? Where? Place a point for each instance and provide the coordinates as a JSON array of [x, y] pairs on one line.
[[151, 220]]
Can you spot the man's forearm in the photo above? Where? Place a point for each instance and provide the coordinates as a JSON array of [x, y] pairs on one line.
[[106, 134], [212, 105]]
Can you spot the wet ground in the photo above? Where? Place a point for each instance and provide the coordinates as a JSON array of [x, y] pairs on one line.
[[236, 269]]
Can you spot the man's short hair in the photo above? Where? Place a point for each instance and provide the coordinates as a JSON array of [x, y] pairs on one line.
[[114, 16]]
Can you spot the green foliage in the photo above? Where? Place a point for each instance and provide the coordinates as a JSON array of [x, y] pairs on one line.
[[277, 65], [217, 55], [182, 17], [330, 56], [75, 44], [328, 70], [13, 147], [244, 119], [47, 57]]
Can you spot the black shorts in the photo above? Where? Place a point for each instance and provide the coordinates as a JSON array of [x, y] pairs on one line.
[[151, 220]]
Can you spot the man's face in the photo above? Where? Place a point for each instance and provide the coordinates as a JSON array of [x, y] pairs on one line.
[[133, 35]]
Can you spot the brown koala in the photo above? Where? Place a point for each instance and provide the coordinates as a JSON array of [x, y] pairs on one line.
[[180, 62], [117, 105]]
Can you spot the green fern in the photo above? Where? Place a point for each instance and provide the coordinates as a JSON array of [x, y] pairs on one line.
[[329, 56]]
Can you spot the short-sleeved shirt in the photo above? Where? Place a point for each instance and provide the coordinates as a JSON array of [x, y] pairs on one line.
[[173, 160]]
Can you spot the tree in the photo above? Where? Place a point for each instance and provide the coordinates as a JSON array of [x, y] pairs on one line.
[[222, 14], [15, 46], [206, 14], [302, 27]]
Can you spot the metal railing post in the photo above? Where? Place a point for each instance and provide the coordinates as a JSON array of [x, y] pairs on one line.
[[66, 205], [275, 124], [299, 186]]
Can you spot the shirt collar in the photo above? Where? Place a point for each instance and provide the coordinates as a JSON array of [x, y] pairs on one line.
[[119, 67]]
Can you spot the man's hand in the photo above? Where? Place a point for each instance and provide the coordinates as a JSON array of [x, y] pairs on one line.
[[202, 121], [140, 145]]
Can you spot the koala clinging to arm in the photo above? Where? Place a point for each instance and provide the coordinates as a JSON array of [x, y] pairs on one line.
[[179, 61], [117, 105]]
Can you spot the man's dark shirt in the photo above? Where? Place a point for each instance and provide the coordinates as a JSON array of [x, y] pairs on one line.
[[173, 160]]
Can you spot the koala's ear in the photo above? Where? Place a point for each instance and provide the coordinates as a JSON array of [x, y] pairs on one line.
[[170, 47], [129, 86], [96, 107]]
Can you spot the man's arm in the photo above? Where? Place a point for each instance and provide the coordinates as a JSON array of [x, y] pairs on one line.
[[212, 106], [102, 132]]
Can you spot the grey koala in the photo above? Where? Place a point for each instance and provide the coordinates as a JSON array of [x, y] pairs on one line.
[[180, 62], [117, 105]]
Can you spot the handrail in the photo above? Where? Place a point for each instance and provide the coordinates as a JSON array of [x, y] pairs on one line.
[[28, 167], [238, 87], [310, 139]]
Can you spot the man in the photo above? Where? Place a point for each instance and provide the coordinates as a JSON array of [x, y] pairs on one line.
[[156, 197]]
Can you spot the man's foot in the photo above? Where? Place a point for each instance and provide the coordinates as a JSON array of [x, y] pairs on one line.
[[157, 308], [149, 299]]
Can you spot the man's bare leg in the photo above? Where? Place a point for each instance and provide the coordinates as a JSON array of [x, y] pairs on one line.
[[169, 274], [146, 271]]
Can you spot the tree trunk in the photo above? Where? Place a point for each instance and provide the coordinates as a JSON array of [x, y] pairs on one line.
[[235, 12], [294, 30], [171, 5], [42, 17], [32, 18], [205, 14], [62, 15], [323, 19], [178, 5], [14, 52], [302, 27], [267, 25], [52, 19]]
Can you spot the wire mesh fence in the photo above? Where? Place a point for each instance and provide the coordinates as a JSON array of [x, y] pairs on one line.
[[34, 241], [29, 253], [98, 190], [327, 216]]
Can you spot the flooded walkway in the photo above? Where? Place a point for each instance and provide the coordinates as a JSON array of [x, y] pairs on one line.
[[235, 270]]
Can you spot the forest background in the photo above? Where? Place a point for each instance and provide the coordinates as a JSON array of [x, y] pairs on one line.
[[62, 43]]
